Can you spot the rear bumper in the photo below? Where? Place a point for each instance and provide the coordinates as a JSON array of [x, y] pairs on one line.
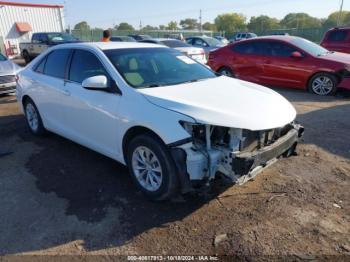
[[345, 83], [7, 88], [246, 165]]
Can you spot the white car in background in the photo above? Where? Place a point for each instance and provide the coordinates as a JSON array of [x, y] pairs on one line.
[[8, 71], [196, 53], [171, 120]]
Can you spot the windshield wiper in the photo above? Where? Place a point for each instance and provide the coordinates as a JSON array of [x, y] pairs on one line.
[[150, 86]]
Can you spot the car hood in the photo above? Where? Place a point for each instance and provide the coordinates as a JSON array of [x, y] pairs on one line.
[[8, 68], [337, 57], [227, 102]]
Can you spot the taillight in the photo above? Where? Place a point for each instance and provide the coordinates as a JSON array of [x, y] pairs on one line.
[[17, 78]]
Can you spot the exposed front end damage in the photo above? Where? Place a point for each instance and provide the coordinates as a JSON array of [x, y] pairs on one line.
[[236, 153]]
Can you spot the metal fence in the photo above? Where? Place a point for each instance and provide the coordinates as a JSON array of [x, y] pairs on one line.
[[312, 34], [96, 34]]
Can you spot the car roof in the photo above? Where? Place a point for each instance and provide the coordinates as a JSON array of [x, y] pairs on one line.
[[111, 45], [165, 39], [285, 38], [202, 37], [339, 28]]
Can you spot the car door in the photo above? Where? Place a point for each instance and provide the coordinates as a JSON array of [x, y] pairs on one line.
[[246, 61], [49, 92], [91, 115], [281, 69]]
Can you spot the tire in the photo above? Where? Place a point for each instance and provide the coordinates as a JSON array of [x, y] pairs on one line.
[[26, 57], [152, 167], [33, 118], [323, 84], [226, 72]]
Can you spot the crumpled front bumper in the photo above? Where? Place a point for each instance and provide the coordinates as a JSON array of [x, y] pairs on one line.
[[246, 165]]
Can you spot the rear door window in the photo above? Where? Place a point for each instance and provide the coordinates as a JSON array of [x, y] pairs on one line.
[[338, 35], [189, 41], [39, 68], [199, 42], [56, 63], [248, 48], [281, 49], [84, 65]]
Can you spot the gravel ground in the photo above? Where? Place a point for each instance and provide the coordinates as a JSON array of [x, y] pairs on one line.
[[58, 198]]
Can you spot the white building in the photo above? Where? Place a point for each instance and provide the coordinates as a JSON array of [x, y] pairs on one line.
[[19, 20]]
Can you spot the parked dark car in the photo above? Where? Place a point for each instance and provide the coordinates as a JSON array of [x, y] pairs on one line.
[[140, 37], [337, 39], [42, 41], [122, 39], [284, 61]]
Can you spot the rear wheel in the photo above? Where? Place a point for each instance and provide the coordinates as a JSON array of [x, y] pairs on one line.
[[152, 167], [226, 72], [323, 84], [33, 118]]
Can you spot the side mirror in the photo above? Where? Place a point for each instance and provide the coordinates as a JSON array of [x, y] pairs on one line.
[[96, 83], [297, 54]]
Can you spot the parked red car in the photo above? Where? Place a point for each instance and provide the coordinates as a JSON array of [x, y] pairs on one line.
[[337, 39], [284, 61]]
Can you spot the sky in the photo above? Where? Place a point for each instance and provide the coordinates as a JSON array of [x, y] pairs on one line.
[[106, 13]]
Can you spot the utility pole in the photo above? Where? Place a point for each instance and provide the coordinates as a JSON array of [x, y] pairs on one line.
[[340, 12], [200, 21]]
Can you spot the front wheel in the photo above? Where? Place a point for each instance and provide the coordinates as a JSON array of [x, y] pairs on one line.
[[323, 84], [152, 167]]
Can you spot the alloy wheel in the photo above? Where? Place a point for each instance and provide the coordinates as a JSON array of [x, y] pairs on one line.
[[147, 169], [32, 117], [322, 85]]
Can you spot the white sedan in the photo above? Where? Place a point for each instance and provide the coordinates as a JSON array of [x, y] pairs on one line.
[[171, 120]]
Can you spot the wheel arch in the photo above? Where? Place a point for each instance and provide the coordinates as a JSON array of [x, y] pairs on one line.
[[224, 66], [26, 98], [134, 132], [336, 74]]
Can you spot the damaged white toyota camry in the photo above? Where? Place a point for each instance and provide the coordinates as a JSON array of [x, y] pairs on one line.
[[171, 120]]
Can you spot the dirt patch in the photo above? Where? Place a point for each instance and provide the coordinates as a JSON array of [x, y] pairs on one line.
[[60, 198]]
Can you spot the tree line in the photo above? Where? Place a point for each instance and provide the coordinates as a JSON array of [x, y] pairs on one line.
[[233, 22]]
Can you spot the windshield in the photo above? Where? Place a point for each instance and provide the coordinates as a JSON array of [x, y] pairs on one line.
[[175, 43], [2, 58], [61, 37], [212, 41], [309, 47], [153, 67]]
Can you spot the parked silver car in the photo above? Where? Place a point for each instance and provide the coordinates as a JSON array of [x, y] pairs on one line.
[[207, 43], [196, 53], [8, 71]]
